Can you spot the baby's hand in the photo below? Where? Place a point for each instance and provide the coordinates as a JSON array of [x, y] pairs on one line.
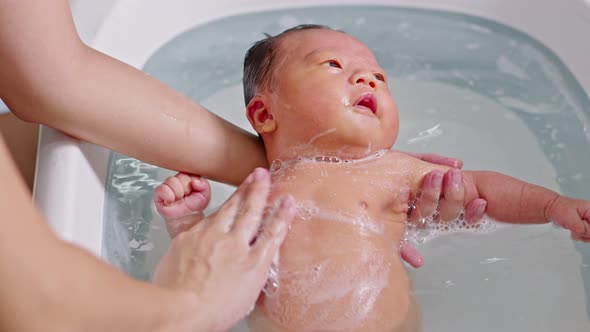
[[180, 200], [572, 214]]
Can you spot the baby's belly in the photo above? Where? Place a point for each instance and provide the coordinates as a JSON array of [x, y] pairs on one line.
[[337, 276]]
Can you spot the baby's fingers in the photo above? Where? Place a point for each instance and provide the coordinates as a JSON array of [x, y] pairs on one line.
[[201, 185], [163, 196], [200, 196], [585, 236], [582, 237], [180, 185], [573, 223]]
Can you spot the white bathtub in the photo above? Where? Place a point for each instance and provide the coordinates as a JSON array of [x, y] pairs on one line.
[[70, 181], [3, 107]]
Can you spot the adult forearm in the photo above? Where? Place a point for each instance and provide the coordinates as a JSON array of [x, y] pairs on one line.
[[49, 76], [77, 292], [48, 285], [90, 296], [512, 200], [82, 294], [115, 105]]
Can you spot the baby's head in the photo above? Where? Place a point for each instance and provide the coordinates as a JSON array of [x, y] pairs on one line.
[[315, 87]]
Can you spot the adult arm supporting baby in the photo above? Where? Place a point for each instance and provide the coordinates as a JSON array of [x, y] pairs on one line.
[[51, 77], [515, 201]]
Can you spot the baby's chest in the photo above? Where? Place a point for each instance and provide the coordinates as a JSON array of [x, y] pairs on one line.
[[378, 189], [382, 198], [377, 195]]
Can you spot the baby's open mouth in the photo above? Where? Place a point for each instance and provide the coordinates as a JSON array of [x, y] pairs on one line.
[[367, 102]]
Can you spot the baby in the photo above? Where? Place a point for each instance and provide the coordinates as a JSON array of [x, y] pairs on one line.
[[321, 103]]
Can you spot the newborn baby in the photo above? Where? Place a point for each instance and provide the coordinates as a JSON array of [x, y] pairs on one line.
[[320, 102]]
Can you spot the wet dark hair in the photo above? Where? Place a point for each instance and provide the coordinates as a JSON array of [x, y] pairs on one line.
[[260, 60]]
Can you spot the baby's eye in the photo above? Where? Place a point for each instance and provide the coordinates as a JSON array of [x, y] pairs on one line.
[[333, 63], [380, 77]]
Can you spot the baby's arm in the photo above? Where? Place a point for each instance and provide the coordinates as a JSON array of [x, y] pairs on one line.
[[180, 200], [515, 201], [512, 200]]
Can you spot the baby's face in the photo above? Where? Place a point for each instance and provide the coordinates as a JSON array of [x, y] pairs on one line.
[[327, 83]]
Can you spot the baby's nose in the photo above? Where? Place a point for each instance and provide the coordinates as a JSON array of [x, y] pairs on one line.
[[364, 78]]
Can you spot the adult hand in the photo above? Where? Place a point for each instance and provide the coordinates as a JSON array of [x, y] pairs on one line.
[[225, 258], [445, 192]]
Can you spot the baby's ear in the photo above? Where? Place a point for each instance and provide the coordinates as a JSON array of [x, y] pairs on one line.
[[260, 117]]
